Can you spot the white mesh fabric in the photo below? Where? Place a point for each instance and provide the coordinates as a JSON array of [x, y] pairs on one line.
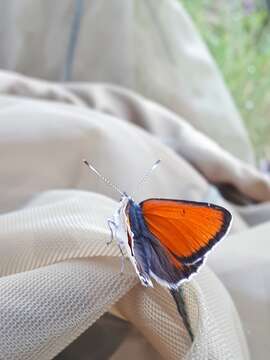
[[216, 328], [44, 309]]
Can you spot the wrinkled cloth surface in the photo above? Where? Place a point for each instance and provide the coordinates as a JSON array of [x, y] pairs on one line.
[[43, 143], [58, 277], [154, 50], [47, 237]]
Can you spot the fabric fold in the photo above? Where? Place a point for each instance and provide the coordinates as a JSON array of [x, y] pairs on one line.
[[68, 277], [219, 166]]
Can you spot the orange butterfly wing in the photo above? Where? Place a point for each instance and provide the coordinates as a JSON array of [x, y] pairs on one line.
[[187, 229]]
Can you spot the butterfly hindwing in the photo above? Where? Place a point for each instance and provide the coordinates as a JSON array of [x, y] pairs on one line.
[[155, 260]]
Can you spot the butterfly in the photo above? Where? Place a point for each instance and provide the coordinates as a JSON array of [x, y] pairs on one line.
[[166, 239]]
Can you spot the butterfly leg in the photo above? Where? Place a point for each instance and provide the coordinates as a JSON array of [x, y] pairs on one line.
[[112, 226], [122, 260]]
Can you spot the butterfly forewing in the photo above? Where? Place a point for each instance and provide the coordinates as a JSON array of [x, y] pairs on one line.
[[188, 230]]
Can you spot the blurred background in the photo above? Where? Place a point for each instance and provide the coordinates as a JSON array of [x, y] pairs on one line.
[[238, 36]]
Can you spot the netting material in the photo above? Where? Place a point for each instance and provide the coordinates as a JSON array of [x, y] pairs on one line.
[[42, 311], [45, 309], [216, 332]]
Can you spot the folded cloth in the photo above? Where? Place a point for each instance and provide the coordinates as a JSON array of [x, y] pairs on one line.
[[242, 263], [59, 276], [216, 164], [154, 50], [53, 251]]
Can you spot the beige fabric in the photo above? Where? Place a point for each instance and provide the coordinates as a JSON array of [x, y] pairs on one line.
[[247, 279], [58, 277], [160, 326], [193, 186], [64, 135], [44, 237], [255, 214], [62, 300], [216, 164], [154, 50]]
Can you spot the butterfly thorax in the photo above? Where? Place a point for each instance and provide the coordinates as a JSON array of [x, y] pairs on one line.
[[135, 216]]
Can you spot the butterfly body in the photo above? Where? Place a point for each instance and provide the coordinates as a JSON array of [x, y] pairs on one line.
[[167, 239], [121, 230]]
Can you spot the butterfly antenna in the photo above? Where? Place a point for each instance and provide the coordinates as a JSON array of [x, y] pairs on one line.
[[147, 174], [103, 178]]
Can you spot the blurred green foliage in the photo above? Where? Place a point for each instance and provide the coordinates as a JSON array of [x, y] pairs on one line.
[[238, 35]]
